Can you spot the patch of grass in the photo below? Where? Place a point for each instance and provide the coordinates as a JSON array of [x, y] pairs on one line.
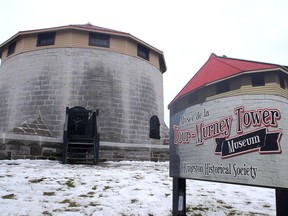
[[138, 177], [134, 201], [9, 196], [36, 180], [189, 209], [46, 213], [93, 204], [255, 213], [70, 183], [94, 187], [57, 210], [192, 209], [106, 188], [198, 208], [71, 203], [48, 193], [220, 202], [228, 206], [266, 206], [65, 201], [232, 213], [224, 205], [89, 194], [71, 210]]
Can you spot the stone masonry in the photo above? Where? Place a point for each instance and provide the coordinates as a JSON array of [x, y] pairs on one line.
[[37, 147], [127, 90]]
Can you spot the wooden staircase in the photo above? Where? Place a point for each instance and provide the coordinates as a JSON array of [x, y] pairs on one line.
[[81, 137]]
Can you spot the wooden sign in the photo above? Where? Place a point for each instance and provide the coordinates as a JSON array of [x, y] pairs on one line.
[[239, 139]]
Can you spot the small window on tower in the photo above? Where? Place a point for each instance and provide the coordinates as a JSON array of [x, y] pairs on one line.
[[222, 87], [101, 40], [257, 79], [282, 81], [143, 52], [193, 97], [11, 48], [46, 39], [154, 127]]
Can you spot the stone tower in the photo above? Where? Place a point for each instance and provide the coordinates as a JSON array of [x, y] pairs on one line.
[[46, 70]]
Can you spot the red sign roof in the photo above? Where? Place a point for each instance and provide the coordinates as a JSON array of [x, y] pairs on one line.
[[218, 68]]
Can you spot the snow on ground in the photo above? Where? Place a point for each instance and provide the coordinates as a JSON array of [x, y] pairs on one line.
[[41, 187]]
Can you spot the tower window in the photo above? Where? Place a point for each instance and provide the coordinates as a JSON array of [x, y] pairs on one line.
[[11, 48], [154, 127], [222, 87], [102, 40], [143, 52], [282, 81], [46, 39], [257, 79], [193, 98]]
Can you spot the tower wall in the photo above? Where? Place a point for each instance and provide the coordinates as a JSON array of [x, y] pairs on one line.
[[39, 85]]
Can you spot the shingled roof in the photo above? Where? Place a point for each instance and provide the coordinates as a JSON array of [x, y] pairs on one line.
[[89, 26], [220, 68]]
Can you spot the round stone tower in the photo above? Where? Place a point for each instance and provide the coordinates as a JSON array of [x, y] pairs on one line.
[[44, 71]]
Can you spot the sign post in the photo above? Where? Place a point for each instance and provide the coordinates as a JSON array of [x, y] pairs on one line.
[[281, 202], [179, 196]]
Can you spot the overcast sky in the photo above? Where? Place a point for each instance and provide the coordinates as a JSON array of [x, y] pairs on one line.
[[187, 31]]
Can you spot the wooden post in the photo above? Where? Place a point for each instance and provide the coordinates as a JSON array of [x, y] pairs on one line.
[[179, 196], [281, 202]]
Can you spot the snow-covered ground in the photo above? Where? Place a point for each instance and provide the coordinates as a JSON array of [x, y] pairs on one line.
[[40, 187]]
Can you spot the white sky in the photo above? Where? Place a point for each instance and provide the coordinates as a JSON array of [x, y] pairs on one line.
[[187, 31]]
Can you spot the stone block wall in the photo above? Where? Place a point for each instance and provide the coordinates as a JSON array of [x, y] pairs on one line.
[[127, 90], [30, 147], [34, 147], [129, 152]]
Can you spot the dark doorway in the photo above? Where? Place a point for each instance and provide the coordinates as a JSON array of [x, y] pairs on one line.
[[81, 136], [80, 123], [154, 127]]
